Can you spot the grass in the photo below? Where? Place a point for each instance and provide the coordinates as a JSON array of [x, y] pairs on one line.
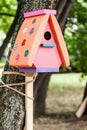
[[63, 99], [67, 80]]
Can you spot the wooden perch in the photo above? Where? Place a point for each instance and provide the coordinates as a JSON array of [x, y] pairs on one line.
[[82, 108]]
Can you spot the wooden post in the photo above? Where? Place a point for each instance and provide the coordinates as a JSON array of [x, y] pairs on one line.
[[82, 108], [29, 102]]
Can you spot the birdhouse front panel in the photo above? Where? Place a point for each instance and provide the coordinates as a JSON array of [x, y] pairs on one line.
[[47, 54]]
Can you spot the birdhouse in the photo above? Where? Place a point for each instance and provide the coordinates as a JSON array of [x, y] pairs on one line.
[[39, 46]]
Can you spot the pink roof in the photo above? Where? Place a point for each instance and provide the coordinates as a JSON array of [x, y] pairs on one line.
[[39, 12]]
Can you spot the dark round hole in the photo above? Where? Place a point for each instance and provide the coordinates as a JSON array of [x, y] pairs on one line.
[[47, 35]]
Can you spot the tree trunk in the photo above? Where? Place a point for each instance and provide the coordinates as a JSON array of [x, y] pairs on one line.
[[12, 109], [40, 92]]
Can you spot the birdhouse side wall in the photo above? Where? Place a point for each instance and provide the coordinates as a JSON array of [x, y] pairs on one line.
[[26, 43]]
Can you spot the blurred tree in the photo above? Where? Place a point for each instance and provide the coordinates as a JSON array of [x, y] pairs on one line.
[[76, 38], [11, 103]]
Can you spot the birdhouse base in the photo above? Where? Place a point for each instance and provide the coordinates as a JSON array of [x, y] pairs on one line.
[[39, 70]]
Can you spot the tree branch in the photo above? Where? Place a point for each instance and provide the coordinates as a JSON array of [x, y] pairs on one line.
[[65, 12], [59, 7], [7, 14], [9, 33]]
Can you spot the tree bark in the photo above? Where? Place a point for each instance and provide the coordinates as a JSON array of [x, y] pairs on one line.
[[40, 93], [12, 104]]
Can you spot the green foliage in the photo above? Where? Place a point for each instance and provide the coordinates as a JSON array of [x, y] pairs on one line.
[[72, 80], [7, 13], [76, 35]]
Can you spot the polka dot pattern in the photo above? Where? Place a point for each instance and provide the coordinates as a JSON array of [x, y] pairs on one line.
[[24, 40], [34, 21], [15, 47], [26, 53], [24, 30], [32, 31], [17, 57], [23, 43]]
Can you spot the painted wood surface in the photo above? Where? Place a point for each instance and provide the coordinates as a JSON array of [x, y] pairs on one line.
[[48, 44], [47, 57], [60, 41], [39, 70], [39, 12], [27, 41], [40, 43]]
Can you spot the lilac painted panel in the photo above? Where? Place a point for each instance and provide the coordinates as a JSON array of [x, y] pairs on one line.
[[27, 70], [39, 70], [39, 12]]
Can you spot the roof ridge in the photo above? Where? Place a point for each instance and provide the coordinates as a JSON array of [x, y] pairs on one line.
[[39, 12]]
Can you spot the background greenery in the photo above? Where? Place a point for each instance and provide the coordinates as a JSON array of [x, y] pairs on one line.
[[7, 13], [76, 36]]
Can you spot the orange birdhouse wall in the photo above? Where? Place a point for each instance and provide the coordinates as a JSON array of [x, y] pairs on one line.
[[39, 43]]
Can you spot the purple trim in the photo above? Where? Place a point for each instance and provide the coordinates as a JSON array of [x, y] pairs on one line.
[[39, 70]]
